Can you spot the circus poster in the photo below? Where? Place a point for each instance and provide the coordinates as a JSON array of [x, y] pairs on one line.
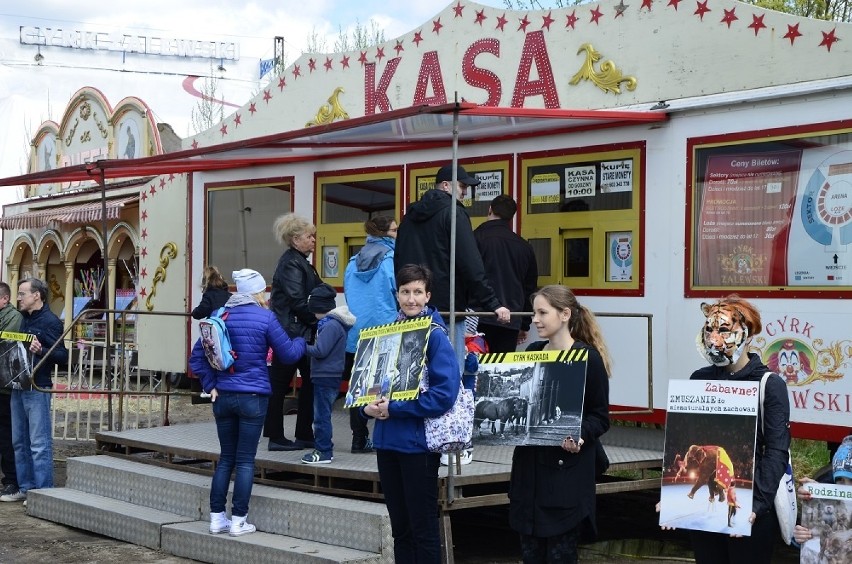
[[529, 398], [708, 464]]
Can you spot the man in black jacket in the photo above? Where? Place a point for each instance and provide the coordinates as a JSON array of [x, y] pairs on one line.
[[424, 238], [511, 269]]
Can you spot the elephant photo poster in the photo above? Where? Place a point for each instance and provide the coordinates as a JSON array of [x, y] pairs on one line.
[[708, 460], [15, 366], [828, 514], [529, 398], [389, 362]]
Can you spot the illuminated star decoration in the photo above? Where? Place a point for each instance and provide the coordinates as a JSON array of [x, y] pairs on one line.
[[572, 20], [547, 20], [621, 8], [596, 15], [282, 82], [501, 22], [792, 33], [828, 39], [729, 17], [701, 9], [480, 17], [757, 23]]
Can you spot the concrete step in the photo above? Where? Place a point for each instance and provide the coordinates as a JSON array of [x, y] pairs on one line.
[[193, 540], [350, 523]]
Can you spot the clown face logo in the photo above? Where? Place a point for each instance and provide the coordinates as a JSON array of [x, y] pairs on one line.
[[790, 358]]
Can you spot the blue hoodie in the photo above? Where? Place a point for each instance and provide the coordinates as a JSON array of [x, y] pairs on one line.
[[403, 430], [369, 285]]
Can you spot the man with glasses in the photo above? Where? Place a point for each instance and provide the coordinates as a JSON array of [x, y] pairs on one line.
[[31, 426], [10, 320]]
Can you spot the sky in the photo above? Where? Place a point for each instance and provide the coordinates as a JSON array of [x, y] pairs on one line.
[[31, 93]]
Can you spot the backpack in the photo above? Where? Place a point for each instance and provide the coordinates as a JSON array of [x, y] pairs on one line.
[[216, 342]]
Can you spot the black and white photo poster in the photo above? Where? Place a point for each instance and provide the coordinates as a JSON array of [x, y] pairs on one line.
[[529, 398], [15, 366], [708, 460], [389, 362]]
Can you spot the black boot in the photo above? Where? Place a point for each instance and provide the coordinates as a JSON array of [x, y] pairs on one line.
[[362, 445]]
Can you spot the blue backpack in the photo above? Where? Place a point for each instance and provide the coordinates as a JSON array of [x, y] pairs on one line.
[[216, 342]]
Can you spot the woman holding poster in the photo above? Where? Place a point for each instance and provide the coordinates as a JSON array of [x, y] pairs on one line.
[[408, 470], [552, 488], [730, 325]]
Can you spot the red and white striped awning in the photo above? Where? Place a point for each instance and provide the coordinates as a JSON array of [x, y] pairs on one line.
[[74, 214]]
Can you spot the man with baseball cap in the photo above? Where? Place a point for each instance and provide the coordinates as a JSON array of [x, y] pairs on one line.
[[424, 238]]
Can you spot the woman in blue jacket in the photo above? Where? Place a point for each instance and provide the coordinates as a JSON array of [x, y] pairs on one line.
[[407, 469], [369, 285], [240, 395]]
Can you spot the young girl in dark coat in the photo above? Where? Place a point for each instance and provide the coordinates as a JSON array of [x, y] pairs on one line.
[[215, 294], [552, 488]]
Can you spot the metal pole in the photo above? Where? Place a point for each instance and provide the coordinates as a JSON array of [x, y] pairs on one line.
[[104, 290]]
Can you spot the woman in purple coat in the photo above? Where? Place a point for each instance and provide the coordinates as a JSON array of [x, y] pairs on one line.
[[240, 395]]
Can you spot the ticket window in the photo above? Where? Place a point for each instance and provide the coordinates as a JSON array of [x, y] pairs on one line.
[[581, 214], [493, 172], [345, 200]]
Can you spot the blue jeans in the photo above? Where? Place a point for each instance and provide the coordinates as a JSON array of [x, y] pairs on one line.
[[32, 438], [410, 485], [325, 392], [239, 421]]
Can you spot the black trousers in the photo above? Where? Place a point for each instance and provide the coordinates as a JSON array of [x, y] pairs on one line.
[[410, 485], [358, 424], [7, 451], [499, 339], [281, 380]]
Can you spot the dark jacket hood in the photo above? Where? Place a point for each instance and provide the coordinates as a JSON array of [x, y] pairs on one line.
[[432, 202]]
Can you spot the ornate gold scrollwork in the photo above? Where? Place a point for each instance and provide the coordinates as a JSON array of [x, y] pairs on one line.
[[331, 111], [607, 79], [70, 136], [101, 126], [168, 252], [85, 110], [828, 366], [86, 136]]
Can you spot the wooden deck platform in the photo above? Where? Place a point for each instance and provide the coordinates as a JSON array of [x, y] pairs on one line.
[[195, 447]]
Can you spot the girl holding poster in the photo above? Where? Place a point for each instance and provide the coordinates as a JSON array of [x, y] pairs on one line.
[[552, 488], [730, 325]]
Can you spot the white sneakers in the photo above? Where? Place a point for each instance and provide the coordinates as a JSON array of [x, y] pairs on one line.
[[465, 456], [239, 526], [219, 523], [235, 526]]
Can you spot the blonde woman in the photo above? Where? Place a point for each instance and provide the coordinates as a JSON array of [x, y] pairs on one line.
[[292, 283]]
